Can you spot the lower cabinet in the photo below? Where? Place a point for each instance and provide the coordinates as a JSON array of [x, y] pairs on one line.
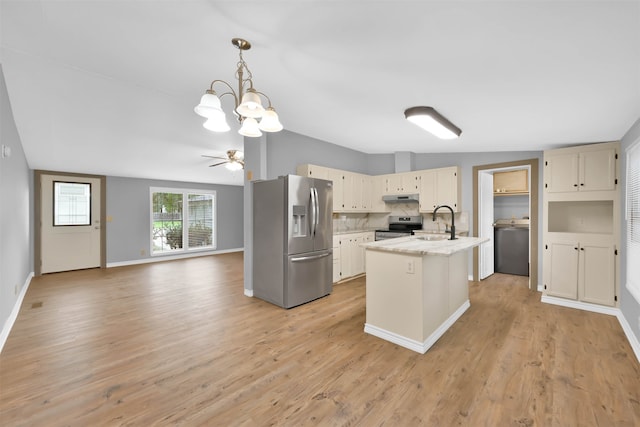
[[581, 268], [351, 254]]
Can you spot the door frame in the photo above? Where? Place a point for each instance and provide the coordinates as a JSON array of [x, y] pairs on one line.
[[37, 215], [533, 212]]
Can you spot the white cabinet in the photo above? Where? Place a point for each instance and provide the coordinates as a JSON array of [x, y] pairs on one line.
[[336, 259], [581, 224], [377, 190], [440, 187], [356, 193], [352, 255], [402, 183], [593, 169], [581, 267]]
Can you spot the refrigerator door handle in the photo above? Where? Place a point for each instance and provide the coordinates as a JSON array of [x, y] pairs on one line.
[[317, 217], [314, 212], [307, 258]]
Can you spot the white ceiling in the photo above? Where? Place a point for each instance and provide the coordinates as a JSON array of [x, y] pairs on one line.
[[109, 87]]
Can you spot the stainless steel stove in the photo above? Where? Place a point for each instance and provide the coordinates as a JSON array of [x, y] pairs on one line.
[[400, 226]]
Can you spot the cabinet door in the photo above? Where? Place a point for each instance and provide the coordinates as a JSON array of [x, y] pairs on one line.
[[393, 184], [336, 176], [597, 274], [447, 188], [365, 203], [561, 259], [561, 173], [597, 170], [427, 196], [345, 256], [376, 192], [357, 255]]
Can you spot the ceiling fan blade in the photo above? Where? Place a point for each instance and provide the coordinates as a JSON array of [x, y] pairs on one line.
[[214, 157], [218, 164]]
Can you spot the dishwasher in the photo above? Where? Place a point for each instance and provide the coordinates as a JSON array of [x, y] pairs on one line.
[[511, 246]]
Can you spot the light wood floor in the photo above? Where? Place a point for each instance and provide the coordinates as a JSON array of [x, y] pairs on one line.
[[177, 343]]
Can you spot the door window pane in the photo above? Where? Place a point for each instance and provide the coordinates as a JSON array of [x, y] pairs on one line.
[[167, 222], [200, 220], [71, 203]]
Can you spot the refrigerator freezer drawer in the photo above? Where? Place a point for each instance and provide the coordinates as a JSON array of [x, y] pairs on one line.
[[309, 276]]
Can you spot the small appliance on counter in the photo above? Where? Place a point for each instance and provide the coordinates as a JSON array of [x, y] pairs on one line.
[[400, 226], [292, 240]]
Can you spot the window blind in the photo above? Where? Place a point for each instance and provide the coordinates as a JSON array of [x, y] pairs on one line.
[[633, 220]]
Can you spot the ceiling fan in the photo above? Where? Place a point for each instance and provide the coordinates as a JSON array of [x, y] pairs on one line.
[[233, 161]]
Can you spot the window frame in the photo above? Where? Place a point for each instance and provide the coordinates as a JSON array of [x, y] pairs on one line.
[[632, 282], [185, 192], [56, 204]]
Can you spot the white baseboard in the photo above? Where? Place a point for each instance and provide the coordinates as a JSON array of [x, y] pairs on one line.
[[633, 340], [171, 257], [417, 346], [248, 292], [612, 311], [8, 324]]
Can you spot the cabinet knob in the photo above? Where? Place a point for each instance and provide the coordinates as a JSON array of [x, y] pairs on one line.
[[582, 249], [575, 185], [582, 184], [575, 249]]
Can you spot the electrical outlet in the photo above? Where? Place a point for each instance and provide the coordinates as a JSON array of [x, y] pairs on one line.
[[410, 267]]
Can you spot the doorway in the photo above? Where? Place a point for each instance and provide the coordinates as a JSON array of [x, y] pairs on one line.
[[69, 213], [483, 216]]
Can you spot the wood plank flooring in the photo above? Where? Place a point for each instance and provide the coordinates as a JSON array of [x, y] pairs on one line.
[[177, 343]]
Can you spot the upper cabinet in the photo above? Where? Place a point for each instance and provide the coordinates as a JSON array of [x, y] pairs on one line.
[[356, 192], [586, 168], [401, 183], [440, 187], [511, 183]]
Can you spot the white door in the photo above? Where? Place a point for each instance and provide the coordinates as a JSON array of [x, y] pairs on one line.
[[485, 224], [70, 217]]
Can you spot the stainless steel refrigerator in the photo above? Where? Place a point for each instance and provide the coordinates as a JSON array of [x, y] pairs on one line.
[[292, 240]]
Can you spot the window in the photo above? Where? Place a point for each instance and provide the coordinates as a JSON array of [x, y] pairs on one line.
[[182, 220], [71, 203], [633, 220]]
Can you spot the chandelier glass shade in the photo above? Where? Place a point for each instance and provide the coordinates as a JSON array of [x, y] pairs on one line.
[[248, 106]]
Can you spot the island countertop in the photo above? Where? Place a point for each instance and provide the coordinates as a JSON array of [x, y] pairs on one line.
[[425, 245]]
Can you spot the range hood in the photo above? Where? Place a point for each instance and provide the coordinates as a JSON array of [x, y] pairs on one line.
[[400, 198]]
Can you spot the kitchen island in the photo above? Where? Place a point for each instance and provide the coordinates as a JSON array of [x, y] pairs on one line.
[[416, 288]]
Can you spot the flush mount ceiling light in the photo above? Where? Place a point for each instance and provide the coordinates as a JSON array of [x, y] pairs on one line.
[[247, 107], [432, 121]]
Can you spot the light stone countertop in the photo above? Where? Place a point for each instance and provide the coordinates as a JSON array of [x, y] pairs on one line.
[[354, 231], [416, 245]]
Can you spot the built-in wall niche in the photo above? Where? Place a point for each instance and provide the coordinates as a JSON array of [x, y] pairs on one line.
[[581, 217]]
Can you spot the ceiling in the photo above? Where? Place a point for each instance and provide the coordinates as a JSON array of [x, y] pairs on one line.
[[108, 87]]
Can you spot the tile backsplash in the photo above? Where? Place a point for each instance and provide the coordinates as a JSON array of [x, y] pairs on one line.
[[362, 221]]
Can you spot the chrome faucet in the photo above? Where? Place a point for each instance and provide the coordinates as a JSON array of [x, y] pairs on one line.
[[453, 220]]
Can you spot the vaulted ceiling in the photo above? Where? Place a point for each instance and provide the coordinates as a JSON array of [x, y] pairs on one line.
[[109, 87]]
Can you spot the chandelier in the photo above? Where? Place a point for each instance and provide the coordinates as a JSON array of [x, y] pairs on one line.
[[247, 107]]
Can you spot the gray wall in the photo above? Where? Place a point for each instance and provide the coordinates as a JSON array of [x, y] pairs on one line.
[[628, 305], [16, 217], [128, 200], [286, 150]]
